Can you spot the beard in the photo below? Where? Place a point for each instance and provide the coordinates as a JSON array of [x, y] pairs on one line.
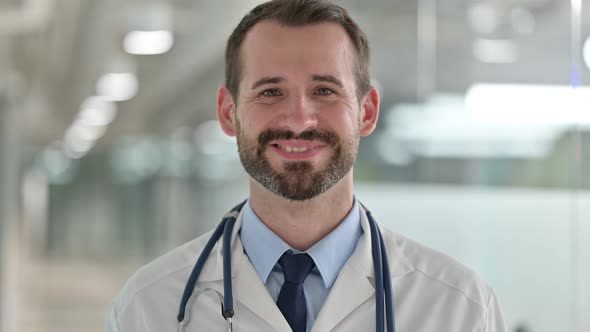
[[298, 180]]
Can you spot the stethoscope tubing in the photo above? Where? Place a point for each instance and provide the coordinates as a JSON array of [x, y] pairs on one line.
[[383, 288], [228, 293], [378, 266], [387, 287], [192, 280]]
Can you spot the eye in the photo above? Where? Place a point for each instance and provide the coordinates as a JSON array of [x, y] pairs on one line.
[[271, 93], [324, 91]]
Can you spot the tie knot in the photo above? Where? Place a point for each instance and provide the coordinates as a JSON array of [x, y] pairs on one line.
[[296, 267]]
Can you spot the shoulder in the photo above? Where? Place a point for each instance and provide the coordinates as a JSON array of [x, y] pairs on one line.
[[439, 272], [164, 276]]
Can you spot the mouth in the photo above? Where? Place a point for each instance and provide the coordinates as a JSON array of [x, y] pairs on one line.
[[295, 149], [299, 149]]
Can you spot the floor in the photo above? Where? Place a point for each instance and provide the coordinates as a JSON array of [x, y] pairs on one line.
[[41, 295]]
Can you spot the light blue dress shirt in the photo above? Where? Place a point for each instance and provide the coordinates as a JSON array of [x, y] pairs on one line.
[[264, 248]]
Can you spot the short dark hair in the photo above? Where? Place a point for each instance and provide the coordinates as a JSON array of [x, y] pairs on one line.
[[294, 13]]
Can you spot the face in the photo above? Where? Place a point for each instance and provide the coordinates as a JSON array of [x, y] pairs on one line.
[[297, 117]]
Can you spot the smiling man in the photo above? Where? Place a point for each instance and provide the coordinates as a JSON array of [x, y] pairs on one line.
[[298, 98]]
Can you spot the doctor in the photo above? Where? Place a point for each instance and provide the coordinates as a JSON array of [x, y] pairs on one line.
[[298, 97]]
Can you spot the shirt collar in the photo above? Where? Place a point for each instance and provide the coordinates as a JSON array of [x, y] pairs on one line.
[[264, 248]]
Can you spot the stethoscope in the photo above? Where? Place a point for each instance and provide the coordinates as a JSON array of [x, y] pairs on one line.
[[383, 293]]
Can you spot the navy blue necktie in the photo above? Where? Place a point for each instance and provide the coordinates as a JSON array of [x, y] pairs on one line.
[[291, 299]]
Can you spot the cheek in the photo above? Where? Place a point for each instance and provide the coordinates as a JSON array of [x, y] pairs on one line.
[[253, 128], [341, 118], [249, 121], [255, 113]]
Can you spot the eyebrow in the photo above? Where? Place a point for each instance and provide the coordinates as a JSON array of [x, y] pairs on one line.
[[267, 80], [329, 79], [317, 78]]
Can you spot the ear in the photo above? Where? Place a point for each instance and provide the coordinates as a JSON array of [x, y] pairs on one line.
[[225, 110], [369, 112]]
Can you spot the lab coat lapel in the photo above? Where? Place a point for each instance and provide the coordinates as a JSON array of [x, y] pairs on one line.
[[251, 292], [248, 288], [355, 283], [352, 287]]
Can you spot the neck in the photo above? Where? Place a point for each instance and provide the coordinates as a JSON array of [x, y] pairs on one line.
[[301, 224]]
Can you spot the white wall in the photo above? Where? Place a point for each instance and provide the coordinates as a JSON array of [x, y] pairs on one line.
[[521, 241]]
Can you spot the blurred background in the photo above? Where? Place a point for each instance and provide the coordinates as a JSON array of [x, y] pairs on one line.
[[110, 154]]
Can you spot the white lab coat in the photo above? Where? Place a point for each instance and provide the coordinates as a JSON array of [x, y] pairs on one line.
[[432, 293]]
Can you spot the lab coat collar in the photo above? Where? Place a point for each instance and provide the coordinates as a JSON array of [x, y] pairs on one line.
[[362, 258], [342, 300], [213, 269]]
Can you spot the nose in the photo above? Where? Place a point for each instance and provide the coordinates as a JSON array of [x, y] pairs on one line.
[[299, 115]]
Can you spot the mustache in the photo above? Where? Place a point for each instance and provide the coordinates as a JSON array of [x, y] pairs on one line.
[[324, 136]]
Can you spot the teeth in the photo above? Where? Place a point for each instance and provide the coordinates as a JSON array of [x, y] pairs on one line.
[[293, 149]]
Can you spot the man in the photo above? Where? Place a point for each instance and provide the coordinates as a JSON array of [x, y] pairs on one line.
[[298, 97]]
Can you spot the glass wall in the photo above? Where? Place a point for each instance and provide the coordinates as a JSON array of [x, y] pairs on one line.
[[110, 154]]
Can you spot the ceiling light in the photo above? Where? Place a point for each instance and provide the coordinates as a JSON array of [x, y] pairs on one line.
[[495, 51], [96, 111], [117, 86], [88, 133], [75, 146], [148, 42], [529, 104]]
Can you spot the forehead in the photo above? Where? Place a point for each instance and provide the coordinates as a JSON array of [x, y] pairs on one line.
[[271, 49]]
